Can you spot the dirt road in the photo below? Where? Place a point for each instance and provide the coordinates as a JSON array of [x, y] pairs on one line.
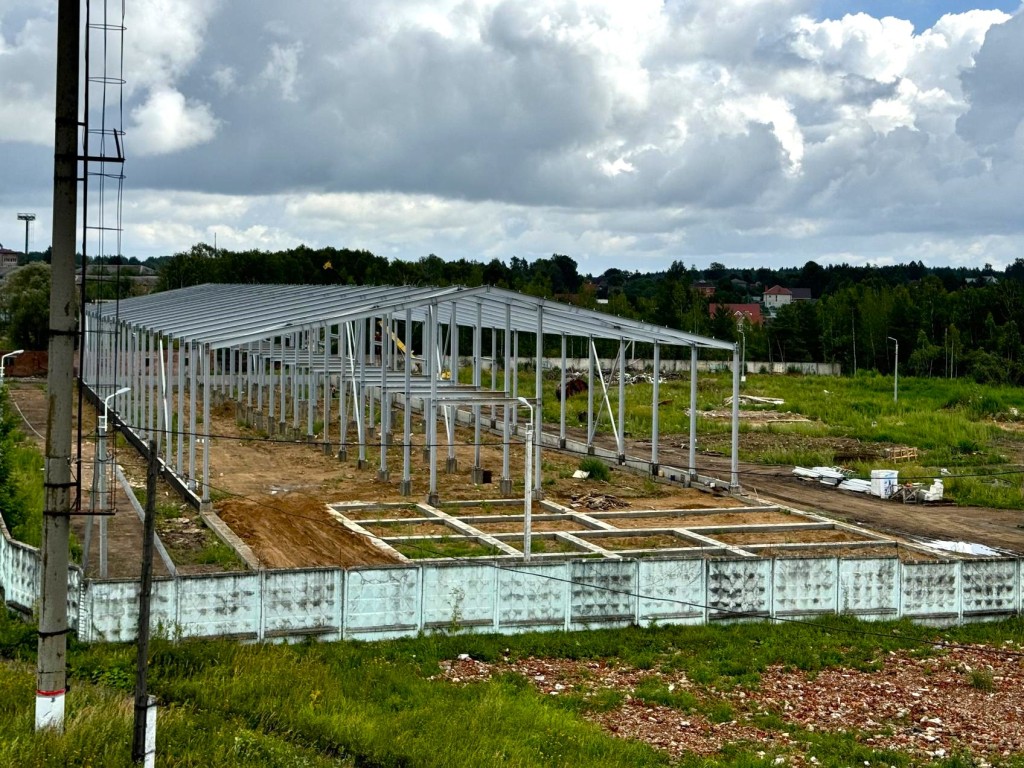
[[1000, 529]]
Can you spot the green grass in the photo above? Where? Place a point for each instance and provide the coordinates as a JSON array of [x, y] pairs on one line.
[[375, 704], [952, 423], [598, 469], [445, 547], [25, 519], [354, 704]]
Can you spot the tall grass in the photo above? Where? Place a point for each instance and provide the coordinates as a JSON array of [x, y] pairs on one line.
[[375, 704], [24, 517], [952, 423]]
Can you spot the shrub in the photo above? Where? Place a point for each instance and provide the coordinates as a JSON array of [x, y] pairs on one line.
[[598, 469]]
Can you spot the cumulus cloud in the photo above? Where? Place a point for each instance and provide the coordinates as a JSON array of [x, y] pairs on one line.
[[166, 122], [599, 128]]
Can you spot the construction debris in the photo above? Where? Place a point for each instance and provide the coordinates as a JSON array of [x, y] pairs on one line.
[[901, 453], [884, 484], [597, 501], [752, 400], [825, 475]]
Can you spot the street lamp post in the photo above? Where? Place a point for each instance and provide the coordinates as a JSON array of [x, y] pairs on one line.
[[528, 480], [3, 363], [743, 353], [101, 476], [27, 218], [896, 371]]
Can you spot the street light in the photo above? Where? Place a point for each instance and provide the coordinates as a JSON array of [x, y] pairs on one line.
[[100, 479], [743, 354], [26, 217], [528, 491], [895, 371], [3, 362]]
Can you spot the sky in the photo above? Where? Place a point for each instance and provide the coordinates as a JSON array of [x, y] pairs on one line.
[[623, 134]]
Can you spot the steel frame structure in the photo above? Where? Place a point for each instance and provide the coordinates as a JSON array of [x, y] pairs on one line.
[[286, 354]]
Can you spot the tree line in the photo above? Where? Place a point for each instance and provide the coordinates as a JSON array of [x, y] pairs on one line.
[[948, 321]]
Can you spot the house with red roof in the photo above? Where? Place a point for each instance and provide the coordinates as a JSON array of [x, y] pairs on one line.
[[749, 312]]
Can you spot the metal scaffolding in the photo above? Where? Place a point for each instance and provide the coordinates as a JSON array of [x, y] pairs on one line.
[[321, 362]]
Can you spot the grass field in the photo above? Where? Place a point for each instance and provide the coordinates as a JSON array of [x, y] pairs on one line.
[[974, 431], [359, 704]]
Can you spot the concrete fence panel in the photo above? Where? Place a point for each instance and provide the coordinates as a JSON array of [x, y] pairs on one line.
[[805, 586], [603, 592], [931, 592], [739, 589], [533, 597], [672, 592], [869, 588], [459, 597], [223, 604], [991, 588], [301, 602], [22, 579], [111, 611], [382, 603]]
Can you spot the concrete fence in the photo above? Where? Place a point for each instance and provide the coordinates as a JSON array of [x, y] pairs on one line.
[[20, 574], [384, 602]]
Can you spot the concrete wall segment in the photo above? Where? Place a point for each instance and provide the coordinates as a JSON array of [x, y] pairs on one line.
[[533, 596], [221, 604], [931, 591], [299, 602], [869, 587], [459, 597], [382, 602], [805, 586], [671, 592], [739, 589], [602, 591], [990, 588]]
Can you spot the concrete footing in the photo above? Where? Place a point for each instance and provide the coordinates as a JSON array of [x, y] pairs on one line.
[[506, 486], [451, 466], [383, 475], [405, 487]]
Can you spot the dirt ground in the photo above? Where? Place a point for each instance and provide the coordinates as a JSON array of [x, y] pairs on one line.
[[274, 493], [927, 707], [1001, 529]]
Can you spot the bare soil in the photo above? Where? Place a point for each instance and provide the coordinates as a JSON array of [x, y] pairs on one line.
[[274, 495], [1001, 529], [967, 699]]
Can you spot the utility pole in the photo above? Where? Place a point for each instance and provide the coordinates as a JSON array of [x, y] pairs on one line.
[[26, 217], [51, 677], [144, 735]]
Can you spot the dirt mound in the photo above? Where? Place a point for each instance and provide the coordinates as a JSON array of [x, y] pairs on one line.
[[294, 530]]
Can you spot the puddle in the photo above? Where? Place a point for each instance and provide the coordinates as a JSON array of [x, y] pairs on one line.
[[963, 547]]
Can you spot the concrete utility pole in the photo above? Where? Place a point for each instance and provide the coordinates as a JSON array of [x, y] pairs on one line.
[[51, 677], [896, 371], [144, 733], [26, 217]]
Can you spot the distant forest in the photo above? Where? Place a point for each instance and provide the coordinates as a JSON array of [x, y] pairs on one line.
[[951, 322]]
